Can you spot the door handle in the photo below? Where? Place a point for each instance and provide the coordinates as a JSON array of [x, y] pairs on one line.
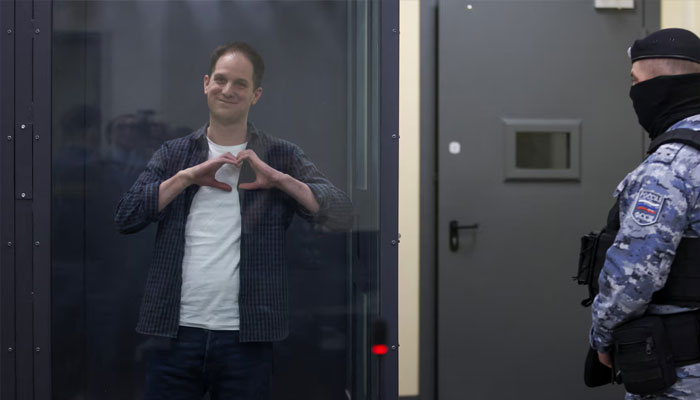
[[454, 233]]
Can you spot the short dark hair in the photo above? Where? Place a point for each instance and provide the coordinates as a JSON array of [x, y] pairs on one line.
[[248, 51], [670, 66]]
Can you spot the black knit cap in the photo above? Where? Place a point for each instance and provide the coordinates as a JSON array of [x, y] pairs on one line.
[[667, 43]]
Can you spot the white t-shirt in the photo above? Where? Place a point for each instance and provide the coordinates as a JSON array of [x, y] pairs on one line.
[[210, 279]]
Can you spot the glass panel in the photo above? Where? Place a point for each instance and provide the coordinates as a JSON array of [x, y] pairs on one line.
[[542, 150], [129, 76]]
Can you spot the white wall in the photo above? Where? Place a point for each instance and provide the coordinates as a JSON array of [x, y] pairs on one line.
[[681, 14], [409, 197]]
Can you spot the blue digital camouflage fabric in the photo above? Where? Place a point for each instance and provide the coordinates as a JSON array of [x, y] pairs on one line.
[[658, 206]]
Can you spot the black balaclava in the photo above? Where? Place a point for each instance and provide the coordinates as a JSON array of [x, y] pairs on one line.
[[662, 101]]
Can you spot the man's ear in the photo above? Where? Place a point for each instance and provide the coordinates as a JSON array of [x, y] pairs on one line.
[[206, 83], [256, 95]]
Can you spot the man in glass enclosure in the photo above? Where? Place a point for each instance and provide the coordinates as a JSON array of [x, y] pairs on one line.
[[223, 196]]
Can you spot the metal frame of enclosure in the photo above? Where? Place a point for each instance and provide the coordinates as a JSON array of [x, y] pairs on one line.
[[25, 199]]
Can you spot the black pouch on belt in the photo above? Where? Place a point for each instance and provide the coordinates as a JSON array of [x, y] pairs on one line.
[[643, 355]]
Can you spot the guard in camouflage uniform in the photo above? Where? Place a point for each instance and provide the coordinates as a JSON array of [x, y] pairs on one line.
[[658, 200]]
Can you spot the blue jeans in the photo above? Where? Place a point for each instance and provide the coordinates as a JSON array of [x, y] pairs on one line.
[[201, 361]]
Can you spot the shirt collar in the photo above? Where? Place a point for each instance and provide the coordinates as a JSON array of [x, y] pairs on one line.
[[201, 133]]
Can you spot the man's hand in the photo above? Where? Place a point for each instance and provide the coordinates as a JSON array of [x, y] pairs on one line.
[[204, 173], [266, 177], [605, 359]]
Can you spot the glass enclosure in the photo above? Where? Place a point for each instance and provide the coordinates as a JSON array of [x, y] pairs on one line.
[[128, 76]]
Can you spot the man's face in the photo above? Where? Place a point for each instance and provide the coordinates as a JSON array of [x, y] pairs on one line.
[[642, 71], [230, 90]]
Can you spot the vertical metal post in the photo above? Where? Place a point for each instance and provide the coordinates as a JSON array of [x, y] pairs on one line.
[[25, 199], [389, 188], [428, 198], [7, 208], [41, 240], [23, 194]]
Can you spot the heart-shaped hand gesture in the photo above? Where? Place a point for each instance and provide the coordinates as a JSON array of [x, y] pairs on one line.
[[266, 177], [204, 173]]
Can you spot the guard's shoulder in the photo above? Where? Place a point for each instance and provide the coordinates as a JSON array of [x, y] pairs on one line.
[[688, 154], [676, 153], [666, 153], [687, 164], [663, 163], [674, 161]]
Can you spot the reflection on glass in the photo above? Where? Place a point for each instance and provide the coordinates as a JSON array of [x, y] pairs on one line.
[[542, 150], [128, 76]]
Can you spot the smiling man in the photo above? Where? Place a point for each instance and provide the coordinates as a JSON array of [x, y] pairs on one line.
[[223, 197]]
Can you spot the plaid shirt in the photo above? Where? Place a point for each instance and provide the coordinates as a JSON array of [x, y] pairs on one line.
[[265, 217]]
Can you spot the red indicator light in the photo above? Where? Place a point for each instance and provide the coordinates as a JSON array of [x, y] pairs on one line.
[[380, 349]]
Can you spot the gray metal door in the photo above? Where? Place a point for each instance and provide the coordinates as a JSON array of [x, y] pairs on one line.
[[534, 93]]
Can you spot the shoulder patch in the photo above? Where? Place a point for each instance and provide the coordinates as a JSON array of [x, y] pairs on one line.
[[647, 207]]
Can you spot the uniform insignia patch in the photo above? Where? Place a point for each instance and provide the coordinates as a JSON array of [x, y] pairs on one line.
[[648, 207]]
